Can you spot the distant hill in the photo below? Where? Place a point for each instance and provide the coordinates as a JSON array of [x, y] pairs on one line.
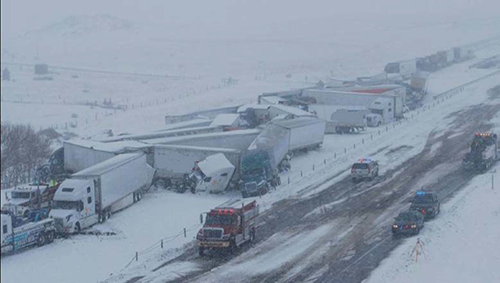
[[75, 26]]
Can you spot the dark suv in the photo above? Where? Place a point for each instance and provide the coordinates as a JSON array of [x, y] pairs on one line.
[[426, 203], [408, 223]]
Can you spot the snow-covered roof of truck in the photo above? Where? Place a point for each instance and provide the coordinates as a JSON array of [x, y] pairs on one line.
[[244, 108], [214, 163], [109, 164], [272, 99], [114, 147], [225, 120], [159, 134], [202, 136], [292, 110], [186, 124], [197, 148], [297, 122]]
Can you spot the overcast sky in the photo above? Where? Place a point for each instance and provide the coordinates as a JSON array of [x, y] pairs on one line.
[[19, 16]]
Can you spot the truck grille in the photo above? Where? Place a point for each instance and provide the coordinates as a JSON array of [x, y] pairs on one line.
[[251, 187], [59, 223], [212, 233]]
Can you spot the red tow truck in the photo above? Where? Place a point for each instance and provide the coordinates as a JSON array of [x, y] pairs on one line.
[[228, 227]]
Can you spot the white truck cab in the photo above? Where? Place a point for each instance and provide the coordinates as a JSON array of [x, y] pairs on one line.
[[21, 197], [74, 205], [374, 120], [213, 174]]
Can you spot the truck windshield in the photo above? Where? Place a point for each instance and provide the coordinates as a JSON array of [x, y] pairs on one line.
[[23, 195], [254, 171], [219, 219], [68, 205]]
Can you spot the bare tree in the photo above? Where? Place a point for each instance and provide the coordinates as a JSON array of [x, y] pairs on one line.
[[23, 150]]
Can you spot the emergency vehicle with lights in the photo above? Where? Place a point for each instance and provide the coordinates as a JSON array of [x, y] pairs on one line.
[[483, 152], [364, 169], [228, 227], [427, 203], [408, 223]]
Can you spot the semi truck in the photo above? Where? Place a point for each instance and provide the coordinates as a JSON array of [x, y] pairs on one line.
[[25, 199], [228, 227], [174, 162], [341, 120], [257, 173], [92, 195], [18, 233], [483, 152], [304, 133], [213, 174], [405, 69]]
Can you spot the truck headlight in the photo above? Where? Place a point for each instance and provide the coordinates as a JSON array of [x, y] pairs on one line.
[[413, 226], [395, 226]]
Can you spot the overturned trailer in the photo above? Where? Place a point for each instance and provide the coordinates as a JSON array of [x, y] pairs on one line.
[[165, 134], [175, 162], [82, 154], [240, 139]]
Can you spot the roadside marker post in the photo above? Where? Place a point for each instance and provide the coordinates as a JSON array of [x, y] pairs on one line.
[[418, 250]]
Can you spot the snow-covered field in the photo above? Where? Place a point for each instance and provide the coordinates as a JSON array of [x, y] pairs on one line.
[[195, 67]]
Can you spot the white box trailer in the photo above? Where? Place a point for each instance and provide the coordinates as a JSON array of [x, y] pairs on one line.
[[305, 132], [389, 105], [166, 134], [404, 68], [174, 161], [275, 140], [340, 118], [91, 195], [239, 139], [82, 154]]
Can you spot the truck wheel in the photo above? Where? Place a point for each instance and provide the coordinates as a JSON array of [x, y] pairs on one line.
[[41, 239], [77, 228], [201, 251], [232, 246], [51, 235], [108, 214], [252, 235], [26, 213]]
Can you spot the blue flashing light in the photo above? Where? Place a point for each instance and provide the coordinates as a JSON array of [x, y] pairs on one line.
[[420, 193], [365, 160]]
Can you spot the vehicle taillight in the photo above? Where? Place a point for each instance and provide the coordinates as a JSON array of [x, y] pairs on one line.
[[423, 211]]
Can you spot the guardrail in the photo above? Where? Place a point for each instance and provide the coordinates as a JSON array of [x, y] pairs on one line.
[[461, 88]]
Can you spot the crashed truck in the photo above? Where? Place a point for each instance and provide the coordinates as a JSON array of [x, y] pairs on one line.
[[483, 152], [227, 227], [271, 151], [19, 232], [176, 159], [26, 199], [93, 194]]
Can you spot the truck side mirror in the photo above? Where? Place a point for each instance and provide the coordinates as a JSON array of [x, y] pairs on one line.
[[201, 218]]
